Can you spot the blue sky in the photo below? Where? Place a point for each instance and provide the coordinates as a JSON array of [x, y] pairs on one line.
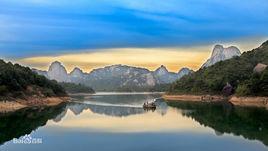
[[53, 27]]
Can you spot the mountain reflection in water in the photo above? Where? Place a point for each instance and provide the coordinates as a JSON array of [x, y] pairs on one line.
[[111, 117], [78, 108], [115, 105]]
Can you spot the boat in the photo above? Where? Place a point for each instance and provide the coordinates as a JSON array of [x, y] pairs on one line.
[[150, 105]]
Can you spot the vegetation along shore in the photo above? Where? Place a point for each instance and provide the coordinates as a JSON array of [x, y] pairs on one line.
[[241, 80], [20, 87]]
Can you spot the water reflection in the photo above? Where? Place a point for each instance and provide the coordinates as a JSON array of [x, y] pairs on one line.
[[108, 117], [119, 111], [110, 99], [125, 119], [100, 106], [113, 105], [251, 123], [22, 122]]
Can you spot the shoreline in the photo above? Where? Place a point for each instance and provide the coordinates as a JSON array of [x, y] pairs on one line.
[[17, 104], [237, 101], [194, 98], [250, 101], [113, 93]]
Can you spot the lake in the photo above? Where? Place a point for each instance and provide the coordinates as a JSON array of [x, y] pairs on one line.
[[117, 122]]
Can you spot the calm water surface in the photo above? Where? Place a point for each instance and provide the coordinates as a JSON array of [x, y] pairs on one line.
[[116, 122]]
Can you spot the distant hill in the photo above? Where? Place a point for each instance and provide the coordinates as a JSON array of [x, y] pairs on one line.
[[116, 77], [237, 71], [18, 81], [76, 88]]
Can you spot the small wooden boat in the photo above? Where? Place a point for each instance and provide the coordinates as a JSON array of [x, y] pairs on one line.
[[149, 105]]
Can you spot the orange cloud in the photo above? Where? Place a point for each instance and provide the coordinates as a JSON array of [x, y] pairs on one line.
[[151, 58]]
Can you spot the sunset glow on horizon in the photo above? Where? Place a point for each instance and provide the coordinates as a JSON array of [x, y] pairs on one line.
[[174, 58], [145, 58]]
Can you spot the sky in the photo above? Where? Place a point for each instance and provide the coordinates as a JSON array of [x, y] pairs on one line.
[[145, 33]]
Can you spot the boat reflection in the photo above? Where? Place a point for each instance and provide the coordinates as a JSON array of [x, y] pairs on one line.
[[119, 110]]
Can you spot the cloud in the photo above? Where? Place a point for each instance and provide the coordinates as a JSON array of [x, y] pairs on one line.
[[38, 27], [150, 58]]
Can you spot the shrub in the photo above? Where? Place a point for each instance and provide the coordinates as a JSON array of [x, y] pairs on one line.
[[243, 90]]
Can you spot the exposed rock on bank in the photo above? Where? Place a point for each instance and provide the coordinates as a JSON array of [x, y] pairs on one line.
[[250, 101], [194, 98], [239, 101], [259, 68], [10, 106]]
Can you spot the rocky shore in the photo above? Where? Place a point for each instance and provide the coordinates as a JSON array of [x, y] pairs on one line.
[[194, 98], [250, 101], [239, 101], [16, 104]]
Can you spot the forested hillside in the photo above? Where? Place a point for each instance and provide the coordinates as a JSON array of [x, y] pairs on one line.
[[238, 72], [19, 81], [76, 88]]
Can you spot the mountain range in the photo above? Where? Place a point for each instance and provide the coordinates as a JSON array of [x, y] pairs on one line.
[[114, 77], [127, 78]]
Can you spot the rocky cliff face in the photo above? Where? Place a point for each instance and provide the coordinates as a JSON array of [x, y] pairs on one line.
[[220, 53], [77, 76], [120, 76], [58, 72], [162, 76], [162, 70], [184, 71], [114, 77], [77, 73], [259, 68]]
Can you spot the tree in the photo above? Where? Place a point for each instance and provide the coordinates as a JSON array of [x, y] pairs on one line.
[[15, 79]]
